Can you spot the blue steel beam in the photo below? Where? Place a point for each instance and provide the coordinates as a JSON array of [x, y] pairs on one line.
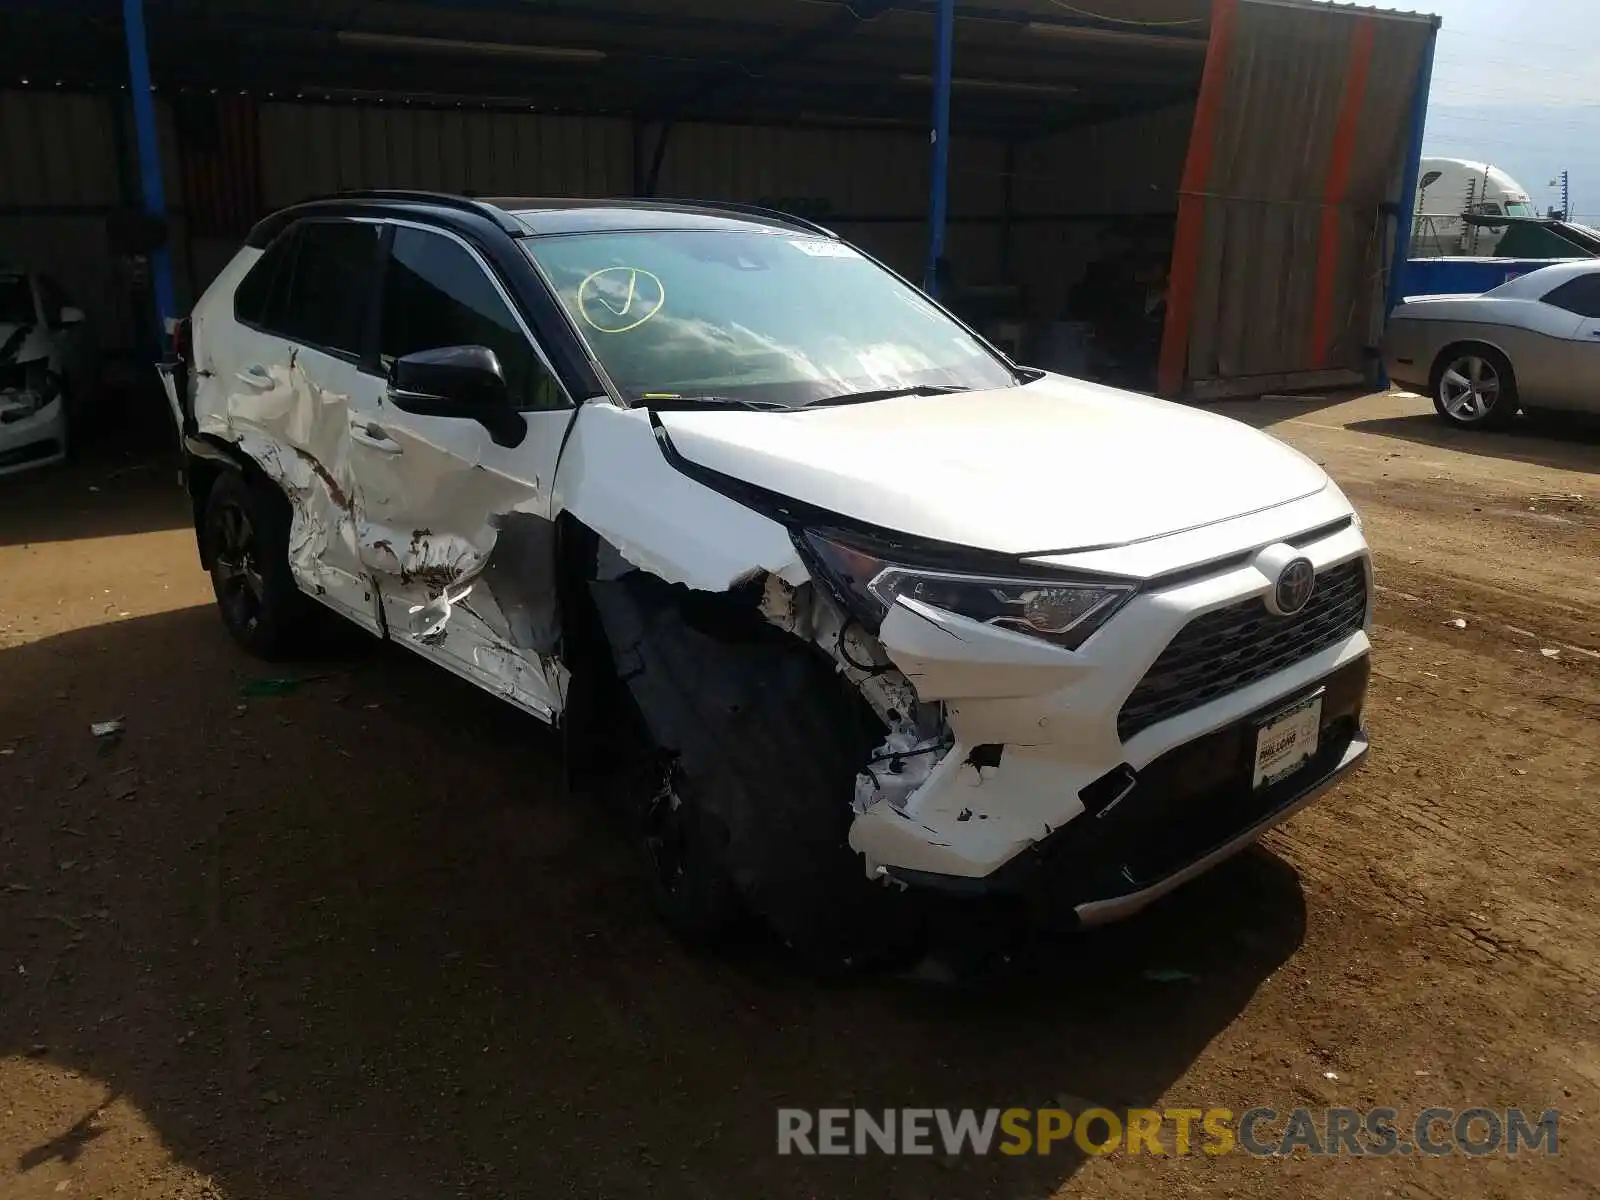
[[939, 171], [144, 125], [1405, 216]]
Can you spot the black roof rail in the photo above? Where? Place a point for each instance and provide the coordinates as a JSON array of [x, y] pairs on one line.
[[437, 199], [756, 210], [511, 203], [499, 209]]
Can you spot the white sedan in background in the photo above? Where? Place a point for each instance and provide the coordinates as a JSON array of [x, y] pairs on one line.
[[1531, 343], [47, 369]]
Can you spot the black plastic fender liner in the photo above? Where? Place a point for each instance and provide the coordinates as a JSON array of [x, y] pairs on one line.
[[768, 740], [205, 455]]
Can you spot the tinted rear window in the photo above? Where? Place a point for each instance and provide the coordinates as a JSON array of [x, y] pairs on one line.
[[1580, 295], [331, 285], [252, 299]]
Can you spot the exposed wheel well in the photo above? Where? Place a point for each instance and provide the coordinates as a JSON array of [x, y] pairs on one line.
[[207, 458]]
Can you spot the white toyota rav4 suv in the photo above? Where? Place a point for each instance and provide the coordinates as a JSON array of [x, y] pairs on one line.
[[892, 615]]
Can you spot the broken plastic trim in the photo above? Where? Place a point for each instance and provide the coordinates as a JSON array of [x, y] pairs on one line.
[[900, 766], [918, 735]]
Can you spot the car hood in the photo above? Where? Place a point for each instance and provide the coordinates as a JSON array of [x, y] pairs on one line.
[[1056, 465]]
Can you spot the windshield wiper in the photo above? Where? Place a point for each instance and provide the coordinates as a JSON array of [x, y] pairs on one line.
[[920, 389], [712, 401]]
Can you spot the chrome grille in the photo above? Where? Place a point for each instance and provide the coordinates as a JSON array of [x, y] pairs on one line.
[[1236, 646]]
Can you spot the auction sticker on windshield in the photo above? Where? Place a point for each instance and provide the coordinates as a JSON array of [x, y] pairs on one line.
[[823, 248]]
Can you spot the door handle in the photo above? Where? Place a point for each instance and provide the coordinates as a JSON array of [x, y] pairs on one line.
[[255, 377], [370, 433]]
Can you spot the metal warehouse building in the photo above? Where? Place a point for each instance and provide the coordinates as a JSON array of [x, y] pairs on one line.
[[1262, 149]]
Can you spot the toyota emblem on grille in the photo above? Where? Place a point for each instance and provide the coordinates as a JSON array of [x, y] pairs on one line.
[[1295, 584]]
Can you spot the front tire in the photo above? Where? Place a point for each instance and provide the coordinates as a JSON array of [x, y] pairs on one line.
[[761, 741], [1474, 387], [246, 536]]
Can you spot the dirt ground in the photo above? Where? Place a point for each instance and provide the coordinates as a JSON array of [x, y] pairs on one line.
[[357, 940]]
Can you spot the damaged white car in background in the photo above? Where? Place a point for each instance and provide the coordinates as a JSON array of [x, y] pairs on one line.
[[47, 370], [894, 618]]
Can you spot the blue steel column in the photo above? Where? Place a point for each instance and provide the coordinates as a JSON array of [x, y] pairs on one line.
[[144, 124], [1405, 218], [939, 173]]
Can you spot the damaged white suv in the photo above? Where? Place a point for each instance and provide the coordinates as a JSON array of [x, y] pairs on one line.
[[896, 616]]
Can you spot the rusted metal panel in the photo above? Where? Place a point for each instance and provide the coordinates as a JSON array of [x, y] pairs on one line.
[[1309, 140]]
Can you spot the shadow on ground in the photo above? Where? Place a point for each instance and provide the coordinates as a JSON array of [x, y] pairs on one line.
[[355, 940], [1564, 442], [121, 479], [110, 492]]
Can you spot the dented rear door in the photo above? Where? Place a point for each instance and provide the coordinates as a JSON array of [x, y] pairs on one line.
[[456, 528], [279, 380]]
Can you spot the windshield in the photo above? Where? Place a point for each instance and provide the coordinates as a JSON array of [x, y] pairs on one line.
[[763, 318], [1514, 209], [16, 300]]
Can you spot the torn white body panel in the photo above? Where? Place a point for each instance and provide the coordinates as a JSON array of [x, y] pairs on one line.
[[811, 615], [615, 480], [899, 767], [918, 737], [288, 412], [444, 506], [1056, 722], [477, 655], [396, 519]]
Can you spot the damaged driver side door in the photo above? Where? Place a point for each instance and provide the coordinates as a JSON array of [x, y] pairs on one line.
[[456, 525]]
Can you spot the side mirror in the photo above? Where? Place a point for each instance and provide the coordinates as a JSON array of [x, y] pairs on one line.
[[458, 381], [71, 316]]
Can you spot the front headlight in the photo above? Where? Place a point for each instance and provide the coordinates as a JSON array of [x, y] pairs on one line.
[[41, 383], [1057, 607]]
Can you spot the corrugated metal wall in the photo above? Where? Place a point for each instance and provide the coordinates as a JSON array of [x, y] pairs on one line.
[[1307, 143], [59, 179], [873, 182], [311, 149]]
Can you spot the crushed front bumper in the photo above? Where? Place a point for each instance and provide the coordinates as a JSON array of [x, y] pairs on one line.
[[1144, 833], [30, 435]]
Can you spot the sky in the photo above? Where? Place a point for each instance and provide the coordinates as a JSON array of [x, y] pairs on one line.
[[1517, 83]]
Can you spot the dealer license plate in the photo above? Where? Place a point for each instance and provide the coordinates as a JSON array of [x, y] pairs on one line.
[[1287, 741]]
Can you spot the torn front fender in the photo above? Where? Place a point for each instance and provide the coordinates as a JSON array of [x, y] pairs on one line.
[[614, 478]]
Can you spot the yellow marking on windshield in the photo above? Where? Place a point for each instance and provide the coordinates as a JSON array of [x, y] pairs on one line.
[[617, 299]]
